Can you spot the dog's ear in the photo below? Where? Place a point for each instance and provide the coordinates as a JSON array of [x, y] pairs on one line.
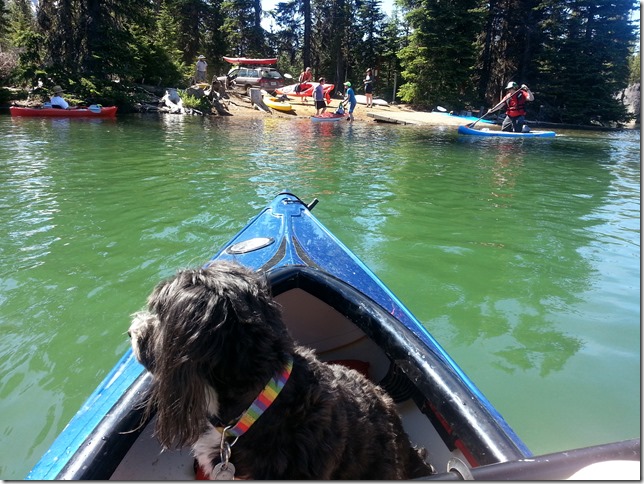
[[217, 325], [141, 332], [180, 400]]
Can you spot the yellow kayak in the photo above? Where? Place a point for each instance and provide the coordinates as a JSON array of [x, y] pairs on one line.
[[274, 103]]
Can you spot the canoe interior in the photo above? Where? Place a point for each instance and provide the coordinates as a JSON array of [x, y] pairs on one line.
[[335, 338]]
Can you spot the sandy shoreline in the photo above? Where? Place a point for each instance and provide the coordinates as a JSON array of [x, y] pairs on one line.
[[242, 108]]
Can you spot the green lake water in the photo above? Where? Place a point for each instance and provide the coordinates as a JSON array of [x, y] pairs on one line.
[[522, 257]]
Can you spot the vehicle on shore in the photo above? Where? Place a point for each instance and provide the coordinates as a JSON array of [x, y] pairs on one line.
[[251, 73]]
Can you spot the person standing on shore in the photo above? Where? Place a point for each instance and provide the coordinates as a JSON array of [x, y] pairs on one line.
[[305, 76], [201, 67], [350, 98], [368, 88], [318, 97]]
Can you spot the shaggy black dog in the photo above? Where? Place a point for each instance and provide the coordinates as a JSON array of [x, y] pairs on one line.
[[213, 337]]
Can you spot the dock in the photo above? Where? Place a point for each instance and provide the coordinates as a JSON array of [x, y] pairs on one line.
[[415, 117]]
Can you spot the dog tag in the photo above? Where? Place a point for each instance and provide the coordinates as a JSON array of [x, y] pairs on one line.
[[224, 472]]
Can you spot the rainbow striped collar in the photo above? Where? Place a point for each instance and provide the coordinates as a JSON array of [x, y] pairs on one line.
[[262, 402]]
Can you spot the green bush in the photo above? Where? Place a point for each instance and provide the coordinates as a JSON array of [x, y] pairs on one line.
[[193, 102]]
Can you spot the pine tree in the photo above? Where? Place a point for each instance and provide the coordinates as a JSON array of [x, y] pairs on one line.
[[242, 28], [438, 62], [508, 44], [584, 63]]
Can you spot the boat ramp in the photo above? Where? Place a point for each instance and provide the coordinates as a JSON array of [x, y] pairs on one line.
[[416, 117]]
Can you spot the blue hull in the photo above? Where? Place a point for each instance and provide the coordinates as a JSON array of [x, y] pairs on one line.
[[505, 134], [295, 250]]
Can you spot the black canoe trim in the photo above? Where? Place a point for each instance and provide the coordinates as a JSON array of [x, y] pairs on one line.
[[555, 466], [437, 381], [102, 452]]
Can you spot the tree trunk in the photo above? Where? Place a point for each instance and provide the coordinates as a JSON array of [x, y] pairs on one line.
[[306, 54]]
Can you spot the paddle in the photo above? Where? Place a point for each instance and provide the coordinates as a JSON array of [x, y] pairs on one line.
[[471, 125], [555, 466]]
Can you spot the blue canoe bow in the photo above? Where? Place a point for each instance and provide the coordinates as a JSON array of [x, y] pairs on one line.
[[309, 269]]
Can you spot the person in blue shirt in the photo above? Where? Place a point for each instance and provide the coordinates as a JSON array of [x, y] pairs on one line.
[[350, 99]]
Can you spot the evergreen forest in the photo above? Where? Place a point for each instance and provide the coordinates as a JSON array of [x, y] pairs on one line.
[[577, 56]]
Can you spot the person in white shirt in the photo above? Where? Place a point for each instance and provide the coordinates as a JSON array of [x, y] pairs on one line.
[[202, 65], [56, 100]]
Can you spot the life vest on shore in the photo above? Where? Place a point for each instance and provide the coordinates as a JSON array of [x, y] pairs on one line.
[[516, 105]]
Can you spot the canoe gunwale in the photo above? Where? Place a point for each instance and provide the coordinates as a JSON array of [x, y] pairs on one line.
[[106, 446], [488, 438]]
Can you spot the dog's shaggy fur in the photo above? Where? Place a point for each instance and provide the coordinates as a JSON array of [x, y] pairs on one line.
[[213, 337]]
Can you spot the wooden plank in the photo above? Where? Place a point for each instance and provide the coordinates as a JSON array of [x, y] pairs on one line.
[[416, 118]]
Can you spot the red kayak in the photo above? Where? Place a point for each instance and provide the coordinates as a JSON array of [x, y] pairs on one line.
[[253, 62], [306, 90], [93, 111]]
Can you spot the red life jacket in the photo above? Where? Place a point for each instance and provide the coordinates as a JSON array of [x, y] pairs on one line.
[[516, 105]]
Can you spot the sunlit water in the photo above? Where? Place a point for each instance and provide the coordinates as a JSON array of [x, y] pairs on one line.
[[522, 257]]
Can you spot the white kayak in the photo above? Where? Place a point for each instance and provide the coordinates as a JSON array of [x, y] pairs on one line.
[[362, 99]]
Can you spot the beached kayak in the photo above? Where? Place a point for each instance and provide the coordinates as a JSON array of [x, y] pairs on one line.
[[275, 103], [504, 134], [305, 89], [328, 117], [362, 99]]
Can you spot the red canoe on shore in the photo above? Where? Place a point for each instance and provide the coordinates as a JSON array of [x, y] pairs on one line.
[[93, 111], [306, 90]]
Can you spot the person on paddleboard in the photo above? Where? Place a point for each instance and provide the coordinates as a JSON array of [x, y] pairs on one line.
[[515, 101], [318, 97]]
